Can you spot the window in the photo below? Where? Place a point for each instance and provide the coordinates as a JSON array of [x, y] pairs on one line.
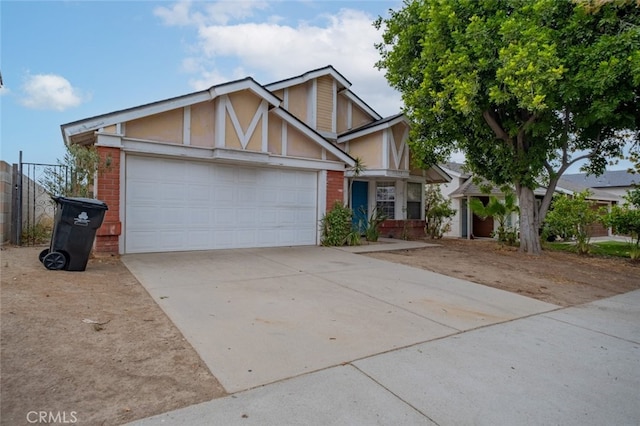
[[386, 198], [414, 200]]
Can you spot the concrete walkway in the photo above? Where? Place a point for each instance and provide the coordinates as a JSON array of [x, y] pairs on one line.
[[312, 335]]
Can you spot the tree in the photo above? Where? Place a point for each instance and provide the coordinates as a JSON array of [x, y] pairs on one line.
[[525, 88], [499, 210], [572, 217], [77, 175]]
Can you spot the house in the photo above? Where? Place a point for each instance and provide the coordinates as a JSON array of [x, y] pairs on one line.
[[466, 224], [248, 165], [616, 182]]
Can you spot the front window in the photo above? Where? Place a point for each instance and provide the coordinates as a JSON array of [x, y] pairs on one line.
[[386, 198], [414, 200]]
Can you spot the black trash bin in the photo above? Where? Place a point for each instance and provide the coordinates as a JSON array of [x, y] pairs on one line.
[[74, 229]]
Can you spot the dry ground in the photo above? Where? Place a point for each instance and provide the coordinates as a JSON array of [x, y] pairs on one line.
[[561, 278], [135, 363]]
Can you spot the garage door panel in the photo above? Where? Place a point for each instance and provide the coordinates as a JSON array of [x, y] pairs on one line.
[[182, 205]]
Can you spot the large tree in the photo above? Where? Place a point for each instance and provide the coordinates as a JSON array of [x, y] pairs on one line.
[[525, 88]]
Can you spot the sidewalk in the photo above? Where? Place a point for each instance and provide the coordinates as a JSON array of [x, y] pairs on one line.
[[573, 366]]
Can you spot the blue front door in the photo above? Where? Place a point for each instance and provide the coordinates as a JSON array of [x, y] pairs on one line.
[[360, 204]]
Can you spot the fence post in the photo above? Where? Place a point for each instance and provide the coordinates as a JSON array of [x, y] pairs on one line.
[[16, 204]]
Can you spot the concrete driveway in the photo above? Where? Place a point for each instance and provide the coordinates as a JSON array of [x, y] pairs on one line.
[[258, 316]]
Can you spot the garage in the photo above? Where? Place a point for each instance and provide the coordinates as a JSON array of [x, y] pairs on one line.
[[181, 205]]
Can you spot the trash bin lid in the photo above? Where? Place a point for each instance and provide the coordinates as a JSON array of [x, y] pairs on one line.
[[84, 202]]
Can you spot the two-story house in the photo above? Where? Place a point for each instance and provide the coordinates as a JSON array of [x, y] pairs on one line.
[[248, 165]]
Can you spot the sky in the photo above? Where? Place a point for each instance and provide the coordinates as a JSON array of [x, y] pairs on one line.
[[63, 61]]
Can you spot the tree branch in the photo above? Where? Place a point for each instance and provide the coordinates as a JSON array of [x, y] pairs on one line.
[[490, 118]]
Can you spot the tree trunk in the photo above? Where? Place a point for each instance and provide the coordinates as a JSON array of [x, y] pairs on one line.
[[529, 238]]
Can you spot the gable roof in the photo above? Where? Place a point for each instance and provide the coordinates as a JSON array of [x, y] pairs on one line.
[[457, 169], [567, 187], [310, 75], [92, 124], [610, 178], [372, 127]]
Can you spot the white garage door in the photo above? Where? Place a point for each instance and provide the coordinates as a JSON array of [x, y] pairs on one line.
[[175, 205]]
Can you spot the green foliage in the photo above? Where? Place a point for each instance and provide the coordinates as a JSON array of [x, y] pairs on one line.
[[372, 231], [500, 211], [571, 217], [76, 177], [438, 212], [625, 220], [336, 226], [524, 88]]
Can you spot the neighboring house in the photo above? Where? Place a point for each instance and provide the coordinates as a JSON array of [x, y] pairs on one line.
[[617, 182], [249, 165], [465, 224]]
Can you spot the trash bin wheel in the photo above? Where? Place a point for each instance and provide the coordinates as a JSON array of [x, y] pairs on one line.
[[43, 253], [54, 260]]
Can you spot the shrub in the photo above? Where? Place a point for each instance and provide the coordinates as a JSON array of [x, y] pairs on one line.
[[438, 212], [571, 217], [626, 220], [336, 226], [372, 232]]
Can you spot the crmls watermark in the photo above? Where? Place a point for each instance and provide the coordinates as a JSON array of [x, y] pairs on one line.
[[47, 417]]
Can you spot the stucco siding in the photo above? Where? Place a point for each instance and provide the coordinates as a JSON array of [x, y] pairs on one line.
[[299, 145], [202, 124], [298, 102], [163, 127], [274, 144], [359, 117], [342, 123], [325, 104], [231, 138], [369, 149]]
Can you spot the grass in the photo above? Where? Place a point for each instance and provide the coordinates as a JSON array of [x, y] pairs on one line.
[[602, 248]]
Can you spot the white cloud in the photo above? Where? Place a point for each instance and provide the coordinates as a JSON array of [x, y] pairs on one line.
[[50, 91], [271, 49], [221, 12]]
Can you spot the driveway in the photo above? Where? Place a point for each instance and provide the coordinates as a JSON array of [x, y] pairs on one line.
[[259, 316]]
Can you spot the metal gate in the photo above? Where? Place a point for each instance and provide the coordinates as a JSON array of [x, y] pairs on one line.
[[33, 208]]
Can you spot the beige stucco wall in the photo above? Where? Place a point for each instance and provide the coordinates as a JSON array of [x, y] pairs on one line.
[[162, 127], [359, 117], [110, 129], [325, 104], [369, 149], [274, 144], [298, 145], [341, 120], [298, 102], [202, 124]]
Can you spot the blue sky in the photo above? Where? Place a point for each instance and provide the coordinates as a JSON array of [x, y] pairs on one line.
[[63, 61]]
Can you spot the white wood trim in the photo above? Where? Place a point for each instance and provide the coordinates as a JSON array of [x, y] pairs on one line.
[[372, 129], [322, 201], [243, 136], [265, 126], [220, 122], [109, 139], [397, 155], [186, 126], [349, 115], [312, 104], [381, 173], [294, 81], [385, 149], [156, 149], [123, 194], [285, 137], [334, 107]]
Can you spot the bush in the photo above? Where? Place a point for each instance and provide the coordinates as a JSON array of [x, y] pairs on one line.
[[438, 212], [571, 217], [372, 232], [336, 226], [626, 220]]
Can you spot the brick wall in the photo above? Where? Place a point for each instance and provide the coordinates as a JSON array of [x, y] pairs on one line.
[[335, 188], [109, 191], [410, 229]]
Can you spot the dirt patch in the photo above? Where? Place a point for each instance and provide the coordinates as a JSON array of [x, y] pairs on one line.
[[560, 278], [90, 346]]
